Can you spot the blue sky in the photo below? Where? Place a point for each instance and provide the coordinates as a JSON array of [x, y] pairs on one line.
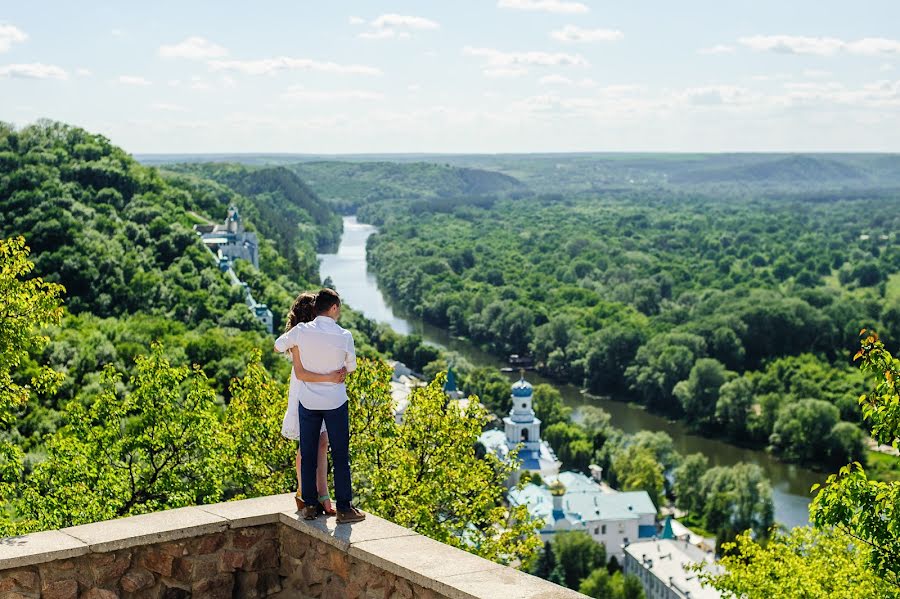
[[462, 76]]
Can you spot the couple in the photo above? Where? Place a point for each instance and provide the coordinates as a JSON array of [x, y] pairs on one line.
[[322, 353]]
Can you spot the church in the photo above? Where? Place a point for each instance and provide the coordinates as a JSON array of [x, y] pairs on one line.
[[522, 429]]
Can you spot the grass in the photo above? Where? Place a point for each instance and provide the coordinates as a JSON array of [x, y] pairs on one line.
[[883, 467], [892, 289], [692, 522]]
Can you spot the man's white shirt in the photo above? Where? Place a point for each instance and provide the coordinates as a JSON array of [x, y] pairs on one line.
[[324, 346]]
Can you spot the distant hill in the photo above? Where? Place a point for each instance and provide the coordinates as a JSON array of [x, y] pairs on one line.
[[783, 170], [351, 184]]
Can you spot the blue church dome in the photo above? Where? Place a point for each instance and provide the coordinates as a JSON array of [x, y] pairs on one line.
[[522, 388]]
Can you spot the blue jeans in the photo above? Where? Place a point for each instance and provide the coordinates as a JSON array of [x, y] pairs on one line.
[[337, 422]]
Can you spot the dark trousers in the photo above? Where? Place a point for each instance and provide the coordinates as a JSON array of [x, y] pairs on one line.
[[337, 422]]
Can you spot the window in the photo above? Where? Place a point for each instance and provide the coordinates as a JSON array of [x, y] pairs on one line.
[[525, 435], [603, 529], [625, 540], [596, 531], [523, 405]]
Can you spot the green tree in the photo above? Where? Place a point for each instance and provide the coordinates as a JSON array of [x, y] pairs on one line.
[[154, 447], [579, 555], [636, 469], [734, 406], [258, 460], [687, 477], [803, 428], [805, 562], [548, 405], [425, 473], [868, 510], [545, 563], [734, 499], [598, 584], [699, 394], [26, 306]]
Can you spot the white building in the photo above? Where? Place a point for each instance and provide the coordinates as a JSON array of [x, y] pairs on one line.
[[522, 430], [572, 501], [660, 566]]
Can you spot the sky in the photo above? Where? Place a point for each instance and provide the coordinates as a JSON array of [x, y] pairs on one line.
[[468, 76]]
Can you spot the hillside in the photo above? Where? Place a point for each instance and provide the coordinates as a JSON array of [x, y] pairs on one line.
[[285, 209], [351, 184]]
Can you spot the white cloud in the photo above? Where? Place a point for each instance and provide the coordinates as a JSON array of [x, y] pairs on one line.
[[572, 33], [83, 72], [194, 48], [162, 106], [297, 92], [505, 73], [717, 49], [357, 21], [9, 35], [497, 59], [117, 33], [198, 84], [414, 88], [379, 34], [554, 6], [816, 73], [561, 80], [33, 70], [821, 46], [133, 80], [555, 80], [403, 21], [390, 26], [715, 95], [268, 66]]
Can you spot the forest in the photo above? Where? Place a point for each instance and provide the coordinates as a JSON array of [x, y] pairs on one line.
[[738, 316]]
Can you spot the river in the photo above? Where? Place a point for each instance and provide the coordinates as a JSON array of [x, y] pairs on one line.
[[359, 288]]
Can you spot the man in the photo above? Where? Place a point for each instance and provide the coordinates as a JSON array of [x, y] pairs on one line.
[[325, 347]]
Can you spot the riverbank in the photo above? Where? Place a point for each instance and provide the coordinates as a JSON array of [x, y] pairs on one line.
[[348, 271]]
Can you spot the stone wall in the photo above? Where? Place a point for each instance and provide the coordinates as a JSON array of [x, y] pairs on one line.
[[252, 548]]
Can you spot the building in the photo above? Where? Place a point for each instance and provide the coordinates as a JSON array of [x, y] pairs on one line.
[[230, 240], [573, 501], [522, 430], [660, 566]]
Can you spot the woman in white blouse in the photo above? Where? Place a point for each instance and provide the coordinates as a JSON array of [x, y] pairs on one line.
[[303, 310]]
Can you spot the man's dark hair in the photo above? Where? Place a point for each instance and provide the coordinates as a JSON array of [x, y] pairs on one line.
[[325, 299]]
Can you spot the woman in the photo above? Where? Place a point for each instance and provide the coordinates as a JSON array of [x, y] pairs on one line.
[[303, 310]]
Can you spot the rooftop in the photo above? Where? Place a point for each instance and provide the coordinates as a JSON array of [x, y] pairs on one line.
[[666, 560], [584, 500]]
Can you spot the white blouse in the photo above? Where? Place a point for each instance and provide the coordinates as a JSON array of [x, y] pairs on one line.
[[290, 425]]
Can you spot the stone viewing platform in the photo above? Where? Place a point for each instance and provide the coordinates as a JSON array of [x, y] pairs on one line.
[[252, 548]]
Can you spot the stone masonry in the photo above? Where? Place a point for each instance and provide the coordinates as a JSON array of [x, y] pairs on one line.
[[252, 548]]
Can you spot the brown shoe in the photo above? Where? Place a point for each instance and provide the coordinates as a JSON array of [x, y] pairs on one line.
[[350, 516], [310, 512], [300, 503]]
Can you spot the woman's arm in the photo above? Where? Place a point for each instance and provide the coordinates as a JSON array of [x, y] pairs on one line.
[[311, 377]]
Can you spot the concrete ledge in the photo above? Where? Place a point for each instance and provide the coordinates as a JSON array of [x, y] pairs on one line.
[[419, 559], [343, 536], [394, 553], [251, 512], [503, 582], [146, 529], [39, 548]]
